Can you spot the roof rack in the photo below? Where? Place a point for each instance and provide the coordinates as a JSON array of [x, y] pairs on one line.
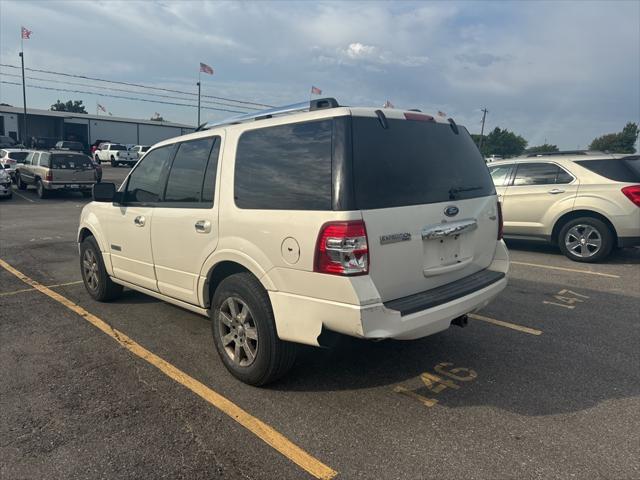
[[563, 152], [316, 104]]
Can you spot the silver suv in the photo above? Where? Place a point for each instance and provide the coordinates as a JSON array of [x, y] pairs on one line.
[[585, 202], [294, 222], [56, 171]]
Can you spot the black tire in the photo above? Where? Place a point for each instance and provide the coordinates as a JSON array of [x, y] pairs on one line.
[[586, 239], [113, 163], [21, 185], [100, 287], [42, 192], [273, 357]]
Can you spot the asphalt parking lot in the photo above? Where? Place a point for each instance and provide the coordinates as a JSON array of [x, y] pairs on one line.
[[543, 383]]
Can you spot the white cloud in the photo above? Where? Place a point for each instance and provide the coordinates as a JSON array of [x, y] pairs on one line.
[[562, 70]]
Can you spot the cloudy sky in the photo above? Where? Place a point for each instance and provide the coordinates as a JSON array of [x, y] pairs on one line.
[[563, 72]]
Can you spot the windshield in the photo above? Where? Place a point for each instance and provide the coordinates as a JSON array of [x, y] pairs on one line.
[[118, 147], [70, 161], [415, 162]]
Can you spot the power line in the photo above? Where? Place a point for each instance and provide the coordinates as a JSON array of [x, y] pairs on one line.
[[136, 85], [120, 90], [123, 97]]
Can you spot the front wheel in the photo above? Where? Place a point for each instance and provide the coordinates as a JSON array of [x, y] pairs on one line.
[[94, 275], [586, 240], [20, 183], [244, 332]]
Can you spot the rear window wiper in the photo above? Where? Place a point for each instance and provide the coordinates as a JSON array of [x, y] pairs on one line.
[[455, 190]]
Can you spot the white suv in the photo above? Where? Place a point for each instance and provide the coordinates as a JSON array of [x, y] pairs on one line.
[[288, 225]]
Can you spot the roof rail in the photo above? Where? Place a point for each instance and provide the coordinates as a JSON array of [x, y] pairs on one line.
[[316, 104], [562, 152]]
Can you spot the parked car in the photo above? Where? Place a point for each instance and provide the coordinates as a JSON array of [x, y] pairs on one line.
[[43, 143], [139, 150], [115, 153], [56, 171], [94, 146], [5, 184], [586, 203], [10, 158], [7, 142], [286, 226], [69, 145]]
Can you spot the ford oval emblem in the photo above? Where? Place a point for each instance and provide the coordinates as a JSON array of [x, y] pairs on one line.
[[451, 211]]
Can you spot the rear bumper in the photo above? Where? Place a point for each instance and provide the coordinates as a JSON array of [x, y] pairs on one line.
[[301, 319], [68, 186]]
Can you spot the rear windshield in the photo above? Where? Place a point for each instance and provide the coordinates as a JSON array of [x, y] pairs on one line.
[[118, 147], [63, 161], [619, 169], [18, 156], [144, 149], [415, 162]]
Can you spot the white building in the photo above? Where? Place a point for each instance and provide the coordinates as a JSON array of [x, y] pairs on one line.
[[86, 128]]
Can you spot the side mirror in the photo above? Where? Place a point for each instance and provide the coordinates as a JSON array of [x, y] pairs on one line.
[[104, 192]]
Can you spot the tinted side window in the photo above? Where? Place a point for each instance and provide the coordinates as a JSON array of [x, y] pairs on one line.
[[500, 174], [187, 171], [536, 174], [146, 182], [619, 170], [287, 167]]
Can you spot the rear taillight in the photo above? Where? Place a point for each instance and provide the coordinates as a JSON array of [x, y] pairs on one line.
[[500, 222], [633, 194], [342, 249], [49, 176]]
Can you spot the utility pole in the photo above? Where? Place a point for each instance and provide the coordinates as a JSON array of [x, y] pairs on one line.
[[484, 116], [25, 136]]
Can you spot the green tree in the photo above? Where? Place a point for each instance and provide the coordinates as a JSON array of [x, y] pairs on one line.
[[621, 142], [544, 148], [501, 142], [74, 106]]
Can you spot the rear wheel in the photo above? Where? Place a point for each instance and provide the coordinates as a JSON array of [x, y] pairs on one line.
[[94, 275], [585, 239], [42, 192], [244, 331], [113, 162]]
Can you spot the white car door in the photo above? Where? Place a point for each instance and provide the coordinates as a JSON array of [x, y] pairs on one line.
[[129, 224], [185, 226]]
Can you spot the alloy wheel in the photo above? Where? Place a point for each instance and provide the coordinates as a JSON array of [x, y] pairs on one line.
[[583, 241], [238, 332], [90, 269]]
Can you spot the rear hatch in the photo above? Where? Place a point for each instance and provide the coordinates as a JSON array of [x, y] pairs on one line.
[[71, 168], [427, 200]]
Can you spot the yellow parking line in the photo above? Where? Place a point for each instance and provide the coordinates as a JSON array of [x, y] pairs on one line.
[[575, 270], [513, 326], [24, 290], [263, 431]]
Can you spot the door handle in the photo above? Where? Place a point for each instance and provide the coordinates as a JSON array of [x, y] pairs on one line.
[[203, 226], [139, 221], [555, 191]]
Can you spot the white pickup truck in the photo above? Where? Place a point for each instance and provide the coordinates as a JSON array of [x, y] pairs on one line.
[[115, 153]]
